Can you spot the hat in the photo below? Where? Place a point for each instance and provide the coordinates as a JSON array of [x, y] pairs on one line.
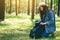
[[42, 3]]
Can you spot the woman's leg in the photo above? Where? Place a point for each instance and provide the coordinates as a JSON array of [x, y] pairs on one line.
[[31, 35], [44, 34], [39, 32], [35, 29]]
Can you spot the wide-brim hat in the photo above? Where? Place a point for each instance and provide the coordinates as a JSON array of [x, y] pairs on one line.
[[42, 3]]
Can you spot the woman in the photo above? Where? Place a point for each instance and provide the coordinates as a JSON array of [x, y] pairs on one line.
[[47, 23]]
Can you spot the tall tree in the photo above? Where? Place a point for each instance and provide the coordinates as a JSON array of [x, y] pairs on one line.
[[51, 4], [58, 14], [33, 6], [16, 8], [28, 7], [2, 9], [10, 7], [19, 7]]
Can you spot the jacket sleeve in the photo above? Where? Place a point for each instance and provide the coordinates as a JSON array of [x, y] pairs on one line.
[[51, 18]]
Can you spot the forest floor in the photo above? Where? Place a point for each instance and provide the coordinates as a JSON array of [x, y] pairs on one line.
[[18, 27]]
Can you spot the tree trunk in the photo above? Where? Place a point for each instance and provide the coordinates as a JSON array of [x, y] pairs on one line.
[[33, 6], [28, 7], [10, 7], [16, 8], [19, 7], [2, 9], [58, 14], [51, 4]]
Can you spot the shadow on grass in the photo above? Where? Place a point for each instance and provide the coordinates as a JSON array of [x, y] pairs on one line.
[[58, 33], [20, 36], [12, 36], [13, 17], [3, 24], [20, 16], [57, 20]]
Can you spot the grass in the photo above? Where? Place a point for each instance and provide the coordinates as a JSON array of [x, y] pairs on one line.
[[18, 27]]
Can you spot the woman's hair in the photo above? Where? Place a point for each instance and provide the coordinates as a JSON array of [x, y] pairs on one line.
[[45, 9]]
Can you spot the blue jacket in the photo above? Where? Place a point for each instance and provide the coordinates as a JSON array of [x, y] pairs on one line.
[[50, 19]]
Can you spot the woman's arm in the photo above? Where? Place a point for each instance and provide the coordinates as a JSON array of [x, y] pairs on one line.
[[51, 18]]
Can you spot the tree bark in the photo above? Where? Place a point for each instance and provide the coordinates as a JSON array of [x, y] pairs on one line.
[[2, 9], [28, 7], [16, 8], [33, 6], [58, 14], [10, 7], [19, 7], [51, 4]]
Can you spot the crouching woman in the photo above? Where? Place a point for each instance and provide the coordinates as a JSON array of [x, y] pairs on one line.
[[47, 23]]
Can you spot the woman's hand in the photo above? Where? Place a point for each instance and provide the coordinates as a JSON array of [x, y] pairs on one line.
[[43, 23]]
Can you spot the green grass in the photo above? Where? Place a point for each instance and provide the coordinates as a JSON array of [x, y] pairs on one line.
[[18, 28]]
